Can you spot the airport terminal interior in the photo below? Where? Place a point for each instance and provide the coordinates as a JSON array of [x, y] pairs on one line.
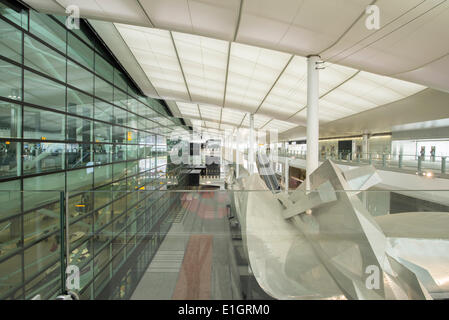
[[224, 149]]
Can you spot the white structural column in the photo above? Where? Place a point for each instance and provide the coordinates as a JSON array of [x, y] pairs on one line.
[[312, 116], [365, 148], [286, 174], [237, 154], [251, 145]]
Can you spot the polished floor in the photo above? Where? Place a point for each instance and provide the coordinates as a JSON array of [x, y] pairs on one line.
[[196, 260]]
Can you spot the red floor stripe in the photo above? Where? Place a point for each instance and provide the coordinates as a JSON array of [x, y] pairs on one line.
[[194, 281]]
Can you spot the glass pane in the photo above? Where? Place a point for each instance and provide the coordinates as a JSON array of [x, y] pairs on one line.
[[41, 261], [79, 103], [103, 175], [118, 134], [44, 92], [103, 68], [79, 52], [43, 59], [79, 129], [79, 155], [120, 98], [80, 180], [18, 16], [10, 198], [103, 153], [103, 89], [85, 35], [10, 81], [120, 80], [9, 158], [103, 111], [42, 157], [102, 132], [43, 223], [119, 153], [10, 120], [80, 77], [48, 30], [10, 41], [10, 278], [120, 116], [43, 125]]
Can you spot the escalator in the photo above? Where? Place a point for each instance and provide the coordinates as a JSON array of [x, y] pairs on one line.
[[266, 172]]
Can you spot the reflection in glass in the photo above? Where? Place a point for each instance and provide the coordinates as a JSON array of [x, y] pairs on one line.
[[44, 92], [80, 77], [79, 155], [103, 89], [9, 159], [42, 157], [43, 125], [79, 129], [48, 30], [104, 111], [43, 59], [79, 103], [80, 52], [10, 41], [10, 81], [102, 132], [103, 153]]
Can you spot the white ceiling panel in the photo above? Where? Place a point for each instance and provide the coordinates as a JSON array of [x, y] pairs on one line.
[[252, 72], [279, 125], [259, 121], [112, 10], [232, 116], [204, 62], [213, 18], [412, 35], [188, 109], [213, 125], [210, 112], [333, 75], [289, 94], [154, 50]]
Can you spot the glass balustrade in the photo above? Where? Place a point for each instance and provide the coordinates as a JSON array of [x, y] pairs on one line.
[[205, 243]]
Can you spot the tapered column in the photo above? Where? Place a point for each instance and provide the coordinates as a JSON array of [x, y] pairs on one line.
[[237, 155], [251, 145], [312, 116]]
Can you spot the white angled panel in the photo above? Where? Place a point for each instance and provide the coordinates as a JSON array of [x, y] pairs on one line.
[[188, 109], [252, 72], [154, 50], [204, 64], [213, 125], [279, 125], [333, 75], [290, 91], [232, 116], [210, 112]]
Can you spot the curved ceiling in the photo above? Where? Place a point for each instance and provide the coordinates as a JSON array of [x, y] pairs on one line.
[[413, 37], [247, 55]]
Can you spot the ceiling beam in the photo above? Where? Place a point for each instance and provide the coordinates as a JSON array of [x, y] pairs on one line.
[[346, 31], [326, 93], [180, 65], [226, 80], [146, 14], [275, 82], [237, 27]]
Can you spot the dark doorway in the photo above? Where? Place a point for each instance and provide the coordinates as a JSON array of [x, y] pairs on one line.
[[345, 148]]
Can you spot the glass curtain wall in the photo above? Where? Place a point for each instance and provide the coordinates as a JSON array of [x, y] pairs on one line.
[[72, 121]]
